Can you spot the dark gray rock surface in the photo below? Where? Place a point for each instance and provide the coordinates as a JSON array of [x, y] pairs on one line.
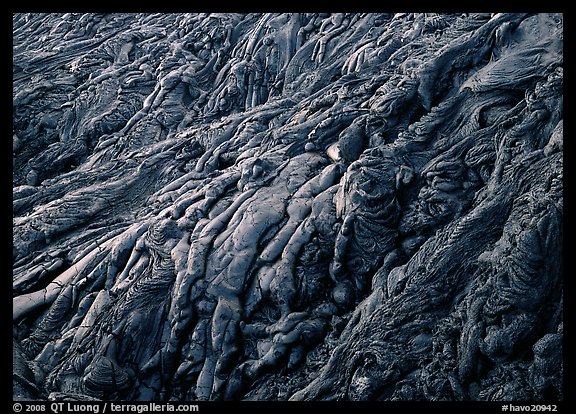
[[288, 206]]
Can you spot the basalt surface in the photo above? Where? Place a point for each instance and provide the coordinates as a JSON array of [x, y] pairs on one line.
[[288, 206]]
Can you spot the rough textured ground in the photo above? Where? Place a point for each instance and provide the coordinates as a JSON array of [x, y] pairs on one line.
[[288, 206]]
